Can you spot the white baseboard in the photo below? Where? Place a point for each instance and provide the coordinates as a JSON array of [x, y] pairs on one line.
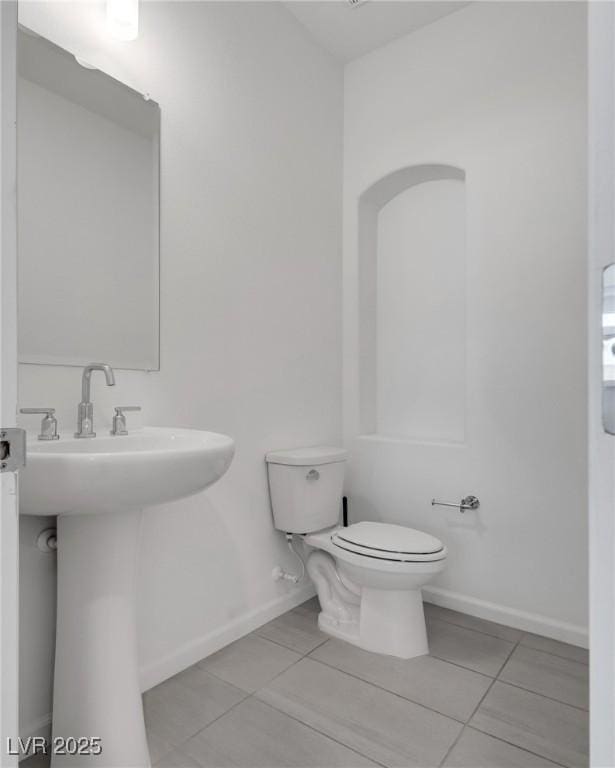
[[502, 614], [204, 646]]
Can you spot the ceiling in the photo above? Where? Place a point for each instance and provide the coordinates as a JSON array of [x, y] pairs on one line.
[[350, 31]]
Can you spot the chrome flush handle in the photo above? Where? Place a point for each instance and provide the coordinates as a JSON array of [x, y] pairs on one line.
[[49, 424]]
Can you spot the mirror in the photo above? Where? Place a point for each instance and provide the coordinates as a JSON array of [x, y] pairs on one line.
[[608, 349], [88, 213]]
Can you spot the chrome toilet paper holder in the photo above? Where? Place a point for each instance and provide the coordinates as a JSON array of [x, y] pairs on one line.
[[468, 502]]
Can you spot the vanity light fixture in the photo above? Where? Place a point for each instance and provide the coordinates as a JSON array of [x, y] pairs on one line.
[[123, 19]]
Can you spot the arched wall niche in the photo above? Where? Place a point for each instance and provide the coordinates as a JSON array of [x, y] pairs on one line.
[[412, 300]]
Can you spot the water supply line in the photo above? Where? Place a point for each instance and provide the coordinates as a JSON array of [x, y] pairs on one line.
[[279, 574]]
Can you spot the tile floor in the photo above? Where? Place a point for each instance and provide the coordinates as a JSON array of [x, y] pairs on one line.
[[286, 696]]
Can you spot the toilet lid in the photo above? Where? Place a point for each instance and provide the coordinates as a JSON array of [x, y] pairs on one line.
[[387, 541]]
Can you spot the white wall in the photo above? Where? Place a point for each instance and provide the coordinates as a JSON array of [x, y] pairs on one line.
[[498, 91], [250, 243], [420, 313]]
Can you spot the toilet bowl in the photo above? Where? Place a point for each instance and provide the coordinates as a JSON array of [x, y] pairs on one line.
[[368, 576]]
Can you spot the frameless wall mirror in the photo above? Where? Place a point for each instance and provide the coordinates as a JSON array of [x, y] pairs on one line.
[[88, 213], [608, 349]]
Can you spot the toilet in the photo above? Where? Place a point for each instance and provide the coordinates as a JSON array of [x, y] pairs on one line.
[[368, 575]]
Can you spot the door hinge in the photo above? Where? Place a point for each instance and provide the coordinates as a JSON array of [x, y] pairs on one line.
[[12, 449]]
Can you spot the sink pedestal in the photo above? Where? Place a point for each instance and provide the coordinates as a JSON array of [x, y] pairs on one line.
[[96, 685], [95, 487]]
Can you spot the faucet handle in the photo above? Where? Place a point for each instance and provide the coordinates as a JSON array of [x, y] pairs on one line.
[[49, 424], [119, 420]]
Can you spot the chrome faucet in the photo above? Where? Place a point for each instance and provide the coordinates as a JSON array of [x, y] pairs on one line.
[[85, 409], [49, 424]]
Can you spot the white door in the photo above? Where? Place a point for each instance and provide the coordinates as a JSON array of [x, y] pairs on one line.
[[601, 445], [8, 384]]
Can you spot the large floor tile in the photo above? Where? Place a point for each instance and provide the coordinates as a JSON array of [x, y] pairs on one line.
[[158, 746], [557, 648], [310, 606], [250, 662], [176, 759], [384, 727], [441, 686], [549, 675], [433, 611], [477, 750], [543, 726], [182, 705], [296, 629], [474, 650], [254, 735]]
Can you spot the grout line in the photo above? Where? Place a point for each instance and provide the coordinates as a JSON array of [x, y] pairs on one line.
[[251, 693], [453, 745], [524, 634], [215, 720], [275, 677], [435, 617], [507, 659], [477, 707], [321, 733], [444, 620], [459, 735], [236, 704], [224, 680], [456, 663], [498, 677], [555, 655], [326, 640], [280, 644], [468, 669], [287, 647], [393, 693], [543, 696], [512, 744], [200, 730]]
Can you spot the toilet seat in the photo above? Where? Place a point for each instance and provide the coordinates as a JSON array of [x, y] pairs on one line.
[[384, 541]]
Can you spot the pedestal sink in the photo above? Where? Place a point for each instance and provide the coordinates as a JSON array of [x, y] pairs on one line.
[[98, 488]]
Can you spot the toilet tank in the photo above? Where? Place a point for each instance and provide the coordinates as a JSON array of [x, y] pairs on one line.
[[305, 485]]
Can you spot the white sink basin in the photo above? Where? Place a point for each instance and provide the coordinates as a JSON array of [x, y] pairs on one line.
[[115, 473], [98, 487]]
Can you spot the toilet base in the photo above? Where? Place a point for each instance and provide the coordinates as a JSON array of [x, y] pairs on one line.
[[381, 620], [388, 622], [393, 622], [347, 629]]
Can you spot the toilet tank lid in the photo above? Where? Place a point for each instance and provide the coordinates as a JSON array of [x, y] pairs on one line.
[[307, 457]]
